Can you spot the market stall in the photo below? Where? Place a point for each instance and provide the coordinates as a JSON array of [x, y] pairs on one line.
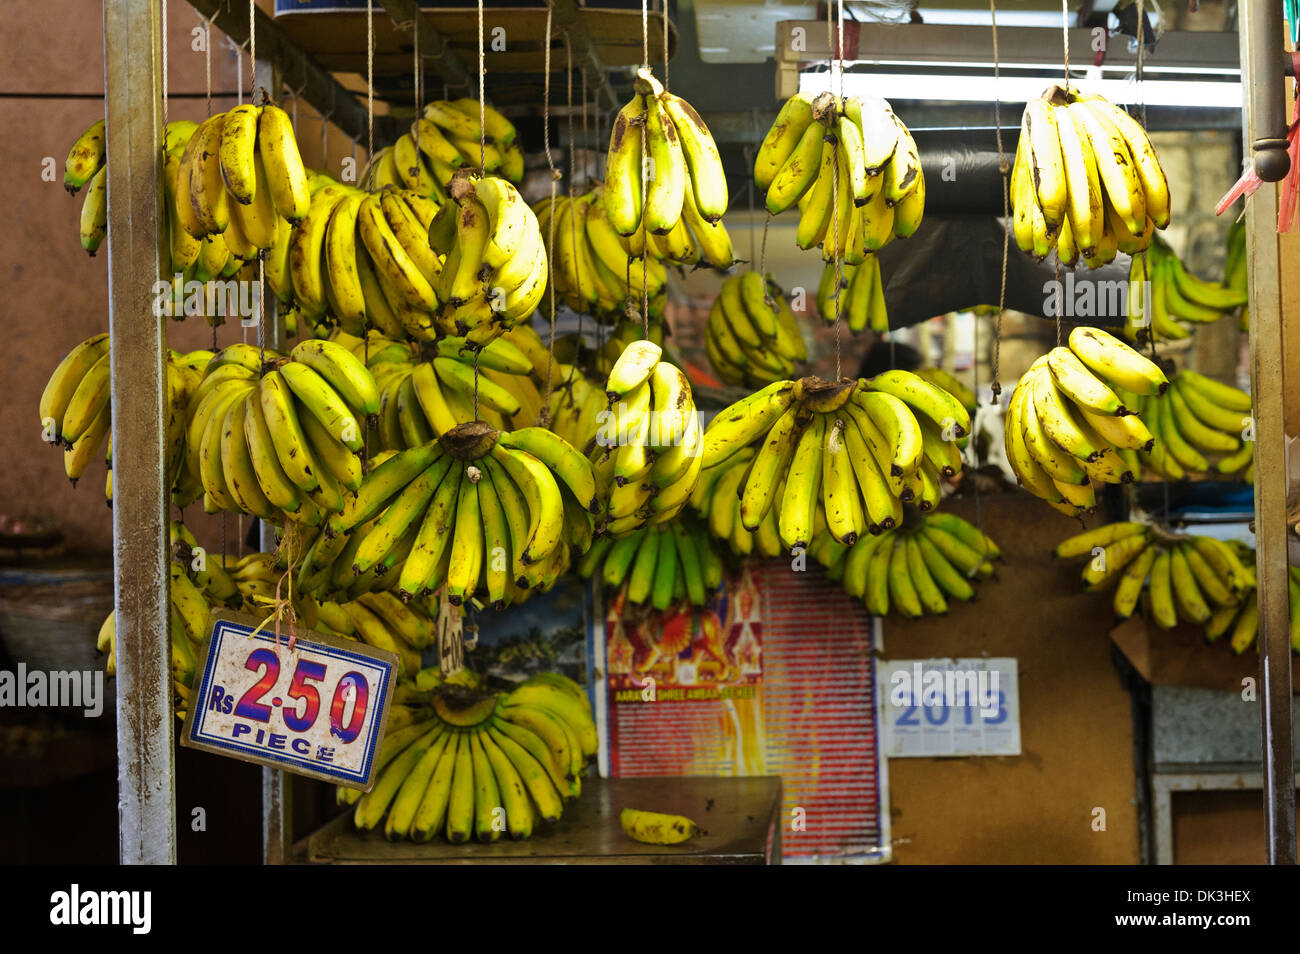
[[547, 432]]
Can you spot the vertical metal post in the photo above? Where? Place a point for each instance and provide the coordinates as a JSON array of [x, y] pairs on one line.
[[1264, 124], [277, 788], [137, 335]]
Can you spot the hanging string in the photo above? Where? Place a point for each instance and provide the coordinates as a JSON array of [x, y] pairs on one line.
[[370, 81], [252, 49], [261, 256], [482, 152], [1057, 294], [165, 69], [587, 143], [839, 49], [762, 258], [418, 68], [751, 151], [573, 218], [600, 153], [207, 61], [239, 73], [645, 237], [1004, 168], [664, 5], [1141, 58], [1065, 39], [324, 134], [416, 63], [370, 154], [550, 222], [482, 118], [586, 172], [753, 247], [835, 176]]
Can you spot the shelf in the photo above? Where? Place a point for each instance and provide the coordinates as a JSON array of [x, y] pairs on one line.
[[338, 40], [739, 818]]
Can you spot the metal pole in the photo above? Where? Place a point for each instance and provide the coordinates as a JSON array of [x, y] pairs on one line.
[[277, 791], [1264, 124], [137, 336]]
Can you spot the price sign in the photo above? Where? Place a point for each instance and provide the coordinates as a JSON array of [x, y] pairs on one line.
[[318, 709]]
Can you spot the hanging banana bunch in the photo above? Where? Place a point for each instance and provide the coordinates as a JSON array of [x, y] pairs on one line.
[[189, 615], [359, 259], [949, 382], [596, 270], [1234, 270], [325, 572], [850, 164], [281, 440], [577, 405], [495, 269], [859, 449], [87, 165], [1177, 298], [625, 331], [193, 593], [76, 410], [1198, 579], [1068, 427], [421, 399], [915, 569], [663, 170], [448, 137], [478, 764], [717, 499], [1086, 180], [663, 565], [862, 296], [239, 173], [752, 336], [647, 443], [1196, 417], [1242, 620], [478, 511]]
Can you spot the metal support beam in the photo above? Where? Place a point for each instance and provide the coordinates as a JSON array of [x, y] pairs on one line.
[[277, 793], [433, 46], [1262, 89], [137, 335], [300, 71], [567, 16]]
